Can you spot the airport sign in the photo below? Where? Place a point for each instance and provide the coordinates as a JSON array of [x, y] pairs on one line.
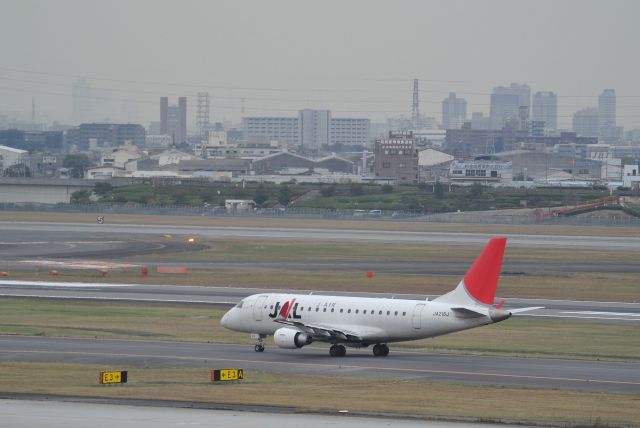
[[226, 375], [114, 377]]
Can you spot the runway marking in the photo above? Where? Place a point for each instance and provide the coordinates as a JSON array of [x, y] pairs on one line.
[[512, 300], [577, 317], [331, 366], [124, 299], [627, 314], [65, 284], [22, 243], [81, 264]]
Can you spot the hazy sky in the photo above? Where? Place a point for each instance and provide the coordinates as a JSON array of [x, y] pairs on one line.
[[357, 58]]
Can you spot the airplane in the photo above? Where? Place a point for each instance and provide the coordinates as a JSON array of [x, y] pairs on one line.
[[301, 319]]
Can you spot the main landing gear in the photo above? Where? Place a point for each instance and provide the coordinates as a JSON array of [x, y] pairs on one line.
[[337, 351], [260, 343], [380, 350]]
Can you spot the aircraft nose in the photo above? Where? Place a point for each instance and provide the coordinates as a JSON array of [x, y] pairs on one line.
[[225, 320]]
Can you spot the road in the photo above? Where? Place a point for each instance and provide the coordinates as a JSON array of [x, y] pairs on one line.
[[618, 312], [579, 375], [57, 414]]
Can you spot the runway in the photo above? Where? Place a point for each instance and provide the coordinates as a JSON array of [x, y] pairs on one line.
[[531, 372], [618, 312], [110, 230]]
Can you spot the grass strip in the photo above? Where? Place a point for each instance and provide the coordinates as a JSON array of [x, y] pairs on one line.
[[221, 250], [331, 394]]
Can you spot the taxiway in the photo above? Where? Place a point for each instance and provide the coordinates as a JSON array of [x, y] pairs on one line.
[[530, 372]]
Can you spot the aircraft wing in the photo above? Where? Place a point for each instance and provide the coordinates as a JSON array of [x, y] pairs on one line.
[[328, 332]]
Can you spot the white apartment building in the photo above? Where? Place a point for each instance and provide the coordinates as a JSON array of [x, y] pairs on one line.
[[350, 131], [282, 129], [11, 156], [311, 130]]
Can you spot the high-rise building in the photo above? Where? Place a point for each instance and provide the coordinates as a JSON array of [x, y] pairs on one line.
[[173, 119], [504, 107], [607, 129], [314, 128], [607, 109], [81, 101], [585, 122], [454, 111], [506, 103], [545, 109]]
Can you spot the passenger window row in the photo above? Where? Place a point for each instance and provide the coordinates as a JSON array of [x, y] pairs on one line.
[[357, 311]]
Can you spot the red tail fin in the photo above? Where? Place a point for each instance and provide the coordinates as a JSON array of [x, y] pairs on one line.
[[481, 279]]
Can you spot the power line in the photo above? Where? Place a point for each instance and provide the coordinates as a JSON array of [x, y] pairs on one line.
[[270, 99], [257, 108], [240, 88]]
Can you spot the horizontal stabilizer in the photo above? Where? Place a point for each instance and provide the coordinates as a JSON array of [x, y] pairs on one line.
[[517, 311], [467, 313]]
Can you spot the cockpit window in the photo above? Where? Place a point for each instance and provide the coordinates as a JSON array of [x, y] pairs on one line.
[[240, 303]]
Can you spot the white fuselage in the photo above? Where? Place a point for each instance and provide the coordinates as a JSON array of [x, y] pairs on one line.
[[374, 320]]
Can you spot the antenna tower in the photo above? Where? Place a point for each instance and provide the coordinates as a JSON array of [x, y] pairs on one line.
[[202, 114], [490, 146], [415, 111]]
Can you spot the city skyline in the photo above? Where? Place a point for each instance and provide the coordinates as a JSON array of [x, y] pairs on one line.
[[340, 70]]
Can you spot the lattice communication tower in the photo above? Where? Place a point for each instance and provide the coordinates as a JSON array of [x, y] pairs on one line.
[[202, 113]]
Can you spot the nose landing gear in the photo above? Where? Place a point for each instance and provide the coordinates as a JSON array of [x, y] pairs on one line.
[[380, 350], [337, 351], [260, 343]]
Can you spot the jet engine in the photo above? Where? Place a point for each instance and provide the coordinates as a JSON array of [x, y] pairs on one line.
[[289, 338]]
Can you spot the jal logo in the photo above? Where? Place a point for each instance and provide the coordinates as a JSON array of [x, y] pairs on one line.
[[288, 310]]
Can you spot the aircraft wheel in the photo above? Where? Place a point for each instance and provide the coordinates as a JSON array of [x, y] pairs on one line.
[[380, 350], [259, 347], [337, 351]]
